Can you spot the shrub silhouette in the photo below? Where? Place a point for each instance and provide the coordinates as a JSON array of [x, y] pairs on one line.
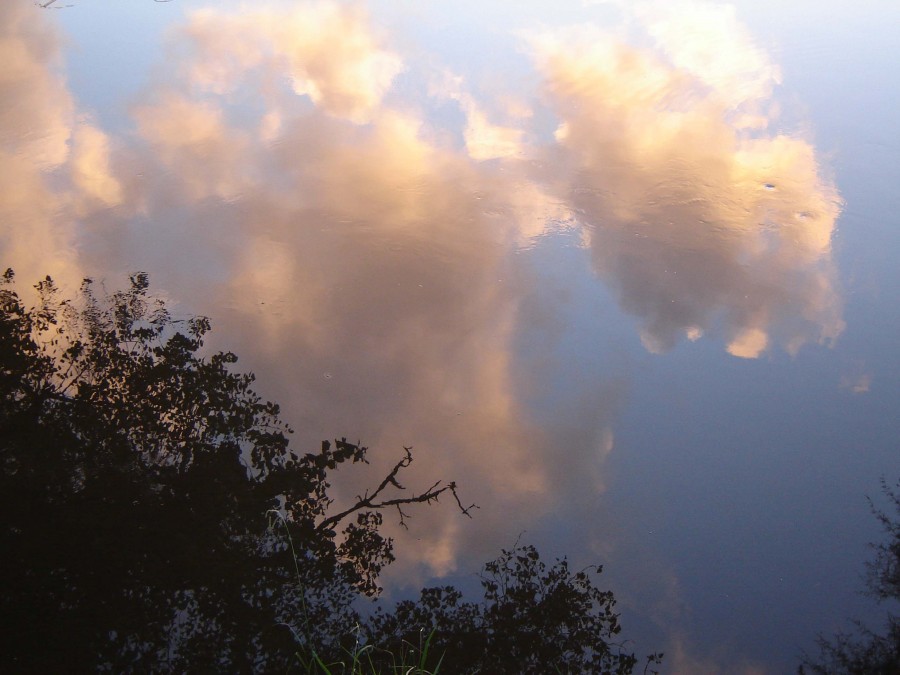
[[157, 519]]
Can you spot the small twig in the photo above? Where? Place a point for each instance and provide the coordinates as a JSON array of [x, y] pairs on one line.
[[367, 501], [403, 517], [464, 511]]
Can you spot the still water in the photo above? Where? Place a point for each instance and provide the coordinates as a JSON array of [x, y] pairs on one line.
[[624, 271]]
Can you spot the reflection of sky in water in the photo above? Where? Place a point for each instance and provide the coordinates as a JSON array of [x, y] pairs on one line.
[[530, 245]]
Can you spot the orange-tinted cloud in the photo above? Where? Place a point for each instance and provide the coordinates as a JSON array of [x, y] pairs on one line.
[[329, 51], [54, 165], [701, 219], [483, 138], [369, 265], [367, 268]]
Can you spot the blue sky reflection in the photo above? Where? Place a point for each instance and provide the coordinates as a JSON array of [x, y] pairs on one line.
[[596, 264]]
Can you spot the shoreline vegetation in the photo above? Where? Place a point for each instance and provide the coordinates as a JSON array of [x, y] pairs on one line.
[[158, 519], [138, 472]]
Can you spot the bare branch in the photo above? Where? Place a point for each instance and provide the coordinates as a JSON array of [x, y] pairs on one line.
[[403, 517], [371, 502], [463, 510]]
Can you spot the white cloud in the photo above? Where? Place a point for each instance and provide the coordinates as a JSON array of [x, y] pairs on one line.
[[53, 167], [327, 50], [699, 223]]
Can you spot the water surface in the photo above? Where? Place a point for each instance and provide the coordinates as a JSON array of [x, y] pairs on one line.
[[622, 270]]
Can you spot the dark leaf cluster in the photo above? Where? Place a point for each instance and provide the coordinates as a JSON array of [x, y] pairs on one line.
[[865, 651], [135, 479], [156, 519], [532, 619]]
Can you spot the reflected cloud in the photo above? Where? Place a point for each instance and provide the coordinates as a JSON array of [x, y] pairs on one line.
[[91, 170], [857, 384], [193, 140], [389, 272], [365, 230], [35, 124], [484, 140], [708, 42], [681, 659], [356, 243], [701, 220], [329, 51], [328, 225], [54, 163]]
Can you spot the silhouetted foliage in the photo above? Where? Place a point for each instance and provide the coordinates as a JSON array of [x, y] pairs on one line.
[[135, 484], [865, 652], [533, 619], [156, 519]]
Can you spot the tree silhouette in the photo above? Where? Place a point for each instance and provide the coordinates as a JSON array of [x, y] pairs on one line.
[[157, 519], [532, 619], [865, 652], [135, 484]]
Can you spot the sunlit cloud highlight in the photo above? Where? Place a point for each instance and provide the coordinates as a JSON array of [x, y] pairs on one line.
[[371, 266], [701, 221], [328, 50]]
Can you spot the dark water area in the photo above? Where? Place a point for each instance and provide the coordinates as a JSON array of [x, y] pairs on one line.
[[623, 271]]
